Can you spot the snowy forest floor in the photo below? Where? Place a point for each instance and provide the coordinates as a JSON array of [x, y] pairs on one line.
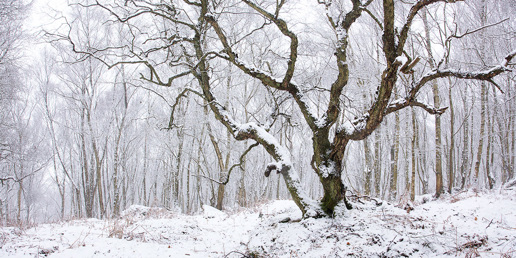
[[468, 224]]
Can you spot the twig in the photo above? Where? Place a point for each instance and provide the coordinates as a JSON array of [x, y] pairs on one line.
[[489, 224]]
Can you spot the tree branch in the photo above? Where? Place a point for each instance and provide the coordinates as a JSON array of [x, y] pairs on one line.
[[174, 106], [241, 161], [338, 85], [485, 75], [410, 18], [267, 80], [282, 26]]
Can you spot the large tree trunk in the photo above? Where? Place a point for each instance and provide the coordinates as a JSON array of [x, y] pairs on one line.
[[334, 192]]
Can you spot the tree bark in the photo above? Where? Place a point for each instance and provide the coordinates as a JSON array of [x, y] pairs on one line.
[[451, 157], [377, 163], [368, 169], [480, 148], [414, 150], [395, 149], [439, 189]]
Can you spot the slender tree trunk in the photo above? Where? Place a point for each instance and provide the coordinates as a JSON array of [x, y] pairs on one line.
[[464, 166], [482, 133], [489, 152], [143, 198], [368, 172], [407, 161], [451, 157], [395, 149], [512, 127], [435, 90], [178, 175], [198, 172], [413, 145], [377, 162], [19, 202]]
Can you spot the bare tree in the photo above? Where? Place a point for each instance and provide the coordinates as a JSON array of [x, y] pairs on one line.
[[196, 37]]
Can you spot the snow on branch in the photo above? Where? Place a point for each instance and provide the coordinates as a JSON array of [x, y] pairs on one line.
[[258, 133], [485, 75], [267, 80], [403, 103], [283, 27], [283, 165]]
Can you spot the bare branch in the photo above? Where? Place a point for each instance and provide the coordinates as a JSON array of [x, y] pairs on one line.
[[267, 80], [241, 162], [174, 106], [338, 85], [410, 18], [449, 39], [374, 18], [403, 103], [486, 75], [282, 26]]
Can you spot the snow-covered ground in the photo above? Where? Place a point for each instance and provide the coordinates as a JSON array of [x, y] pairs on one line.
[[466, 224]]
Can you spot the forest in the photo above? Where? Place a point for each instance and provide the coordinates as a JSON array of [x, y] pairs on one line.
[[179, 104]]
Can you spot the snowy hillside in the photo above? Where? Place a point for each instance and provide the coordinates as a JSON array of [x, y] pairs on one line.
[[467, 224]]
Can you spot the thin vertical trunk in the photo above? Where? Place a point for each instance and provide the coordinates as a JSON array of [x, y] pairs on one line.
[[471, 143], [439, 188], [143, 198], [421, 159], [435, 90], [117, 162], [483, 104], [368, 172], [198, 173], [242, 194], [87, 178], [187, 201], [377, 162], [451, 161], [407, 162], [395, 149], [178, 175], [489, 152], [464, 166], [512, 127], [413, 145], [19, 202], [221, 165], [482, 133]]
